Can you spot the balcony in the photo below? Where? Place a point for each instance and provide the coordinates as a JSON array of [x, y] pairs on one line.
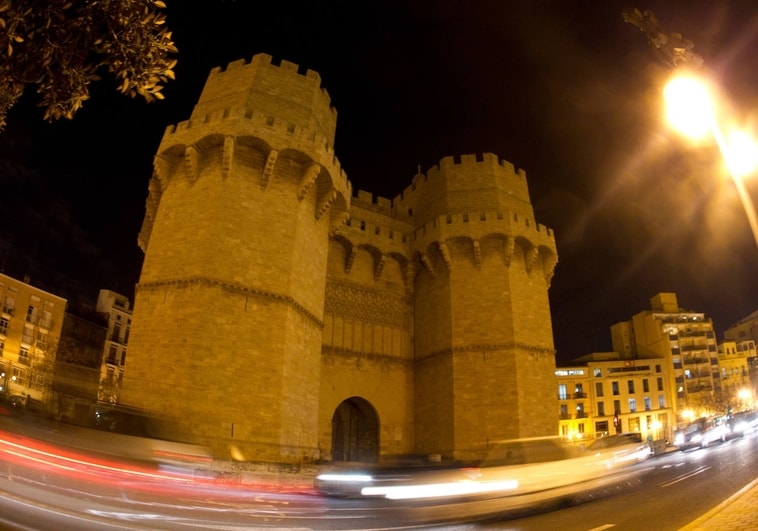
[[698, 387], [692, 348], [696, 360], [692, 333], [580, 394]]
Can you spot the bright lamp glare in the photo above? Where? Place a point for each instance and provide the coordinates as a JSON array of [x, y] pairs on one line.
[[688, 106], [741, 153]]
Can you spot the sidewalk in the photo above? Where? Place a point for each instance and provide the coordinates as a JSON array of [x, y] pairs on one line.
[[737, 513]]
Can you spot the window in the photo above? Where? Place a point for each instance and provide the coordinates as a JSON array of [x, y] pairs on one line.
[[123, 357], [632, 405], [598, 372], [601, 426], [598, 388], [19, 376], [581, 427], [23, 355], [112, 355], [616, 406], [615, 388], [648, 404], [660, 383], [562, 393], [630, 386], [4, 326], [31, 314], [580, 411], [645, 386], [657, 368], [579, 391], [9, 305], [47, 320], [661, 402], [601, 409], [28, 335], [634, 424], [564, 411], [2, 347]]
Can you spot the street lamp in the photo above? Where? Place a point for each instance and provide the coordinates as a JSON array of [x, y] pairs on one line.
[[690, 110]]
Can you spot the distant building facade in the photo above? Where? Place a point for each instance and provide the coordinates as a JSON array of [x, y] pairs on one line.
[[77, 363], [746, 329], [665, 369], [30, 328], [737, 387], [603, 394], [117, 310], [685, 341], [280, 317]]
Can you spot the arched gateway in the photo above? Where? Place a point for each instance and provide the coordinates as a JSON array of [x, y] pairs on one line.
[[355, 431]]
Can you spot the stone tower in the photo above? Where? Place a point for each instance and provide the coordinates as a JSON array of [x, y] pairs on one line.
[[280, 318], [484, 354], [228, 315]]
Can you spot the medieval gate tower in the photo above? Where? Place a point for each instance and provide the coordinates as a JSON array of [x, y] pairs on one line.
[[281, 318]]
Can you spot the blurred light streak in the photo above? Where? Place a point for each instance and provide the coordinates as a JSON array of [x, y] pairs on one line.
[[75, 464], [440, 490]]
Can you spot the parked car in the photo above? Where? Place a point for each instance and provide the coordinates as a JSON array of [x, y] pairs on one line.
[[701, 433]]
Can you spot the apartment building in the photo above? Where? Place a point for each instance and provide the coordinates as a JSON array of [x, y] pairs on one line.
[[30, 328], [605, 394], [746, 329], [737, 389], [117, 309], [684, 342]]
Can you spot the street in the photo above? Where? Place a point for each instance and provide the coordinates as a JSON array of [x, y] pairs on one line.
[[45, 486]]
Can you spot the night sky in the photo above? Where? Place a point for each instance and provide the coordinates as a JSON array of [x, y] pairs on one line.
[[565, 90]]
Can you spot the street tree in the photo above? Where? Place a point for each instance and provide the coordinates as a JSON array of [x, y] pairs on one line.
[[59, 47]]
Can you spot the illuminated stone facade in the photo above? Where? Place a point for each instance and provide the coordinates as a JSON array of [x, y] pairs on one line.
[[280, 317]]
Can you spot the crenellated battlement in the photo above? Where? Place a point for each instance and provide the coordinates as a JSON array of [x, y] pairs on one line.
[[253, 119], [373, 202], [264, 59], [479, 224], [483, 174], [282, 91], [378, 230], [239, 122]]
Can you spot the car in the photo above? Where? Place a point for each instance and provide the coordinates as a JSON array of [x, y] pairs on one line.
[[521, 470], [701, 433], [742, 422], [622, 447]]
